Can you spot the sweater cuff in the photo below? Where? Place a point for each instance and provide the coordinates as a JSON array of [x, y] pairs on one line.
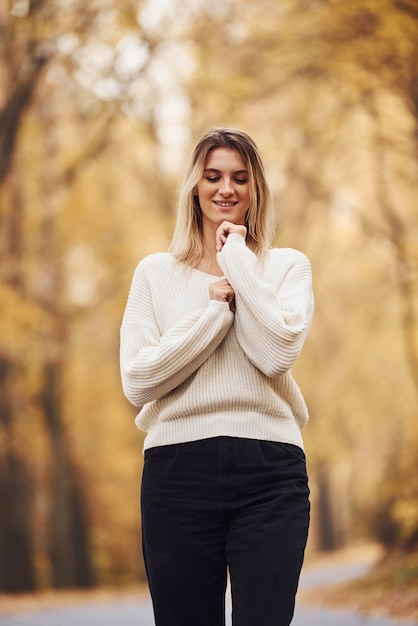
[[235, 255], [220, 307], [234, 239]]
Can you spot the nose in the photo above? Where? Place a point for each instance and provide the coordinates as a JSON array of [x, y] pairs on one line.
[[226, 188]]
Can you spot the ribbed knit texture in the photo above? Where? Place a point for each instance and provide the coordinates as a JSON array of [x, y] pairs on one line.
[[197, 370]]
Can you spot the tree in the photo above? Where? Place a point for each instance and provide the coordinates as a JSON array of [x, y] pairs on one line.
[[330, 90]]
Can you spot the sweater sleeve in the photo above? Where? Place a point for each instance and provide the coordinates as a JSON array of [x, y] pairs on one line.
[[154, 363], [272, 318]]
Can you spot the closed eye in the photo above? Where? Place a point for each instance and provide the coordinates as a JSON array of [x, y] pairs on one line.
[[215, 179], [214, 176]]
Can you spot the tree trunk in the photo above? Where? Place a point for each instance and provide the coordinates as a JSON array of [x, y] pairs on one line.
[[16, 499], [397, 236], [327, 535], [69, 528]]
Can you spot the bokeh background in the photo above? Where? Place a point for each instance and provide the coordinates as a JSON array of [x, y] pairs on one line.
[[100, 104]]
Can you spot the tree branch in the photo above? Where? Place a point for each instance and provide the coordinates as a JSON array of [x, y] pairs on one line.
[[18, 102]]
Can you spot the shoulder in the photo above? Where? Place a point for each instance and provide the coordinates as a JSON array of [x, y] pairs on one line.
[[287, 264], [287, 256], [155, 269], [155, 263]]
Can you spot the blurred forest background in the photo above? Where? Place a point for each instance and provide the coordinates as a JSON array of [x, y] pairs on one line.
[[100, 104]]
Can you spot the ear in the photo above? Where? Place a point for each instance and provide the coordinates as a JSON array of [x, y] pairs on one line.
[[195, 192]]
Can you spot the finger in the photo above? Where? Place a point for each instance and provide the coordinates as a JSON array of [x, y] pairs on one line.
[[221, 235], [220, 241]]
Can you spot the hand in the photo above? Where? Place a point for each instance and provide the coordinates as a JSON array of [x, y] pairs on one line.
[[225, 229], [222, 291]]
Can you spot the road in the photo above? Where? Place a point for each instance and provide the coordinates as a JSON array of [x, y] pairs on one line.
[[138, 611]]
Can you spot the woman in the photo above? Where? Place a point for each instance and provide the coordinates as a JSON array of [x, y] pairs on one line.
[[210, 331]]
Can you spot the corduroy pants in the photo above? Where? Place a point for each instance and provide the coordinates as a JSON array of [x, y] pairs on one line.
[[219, 505]]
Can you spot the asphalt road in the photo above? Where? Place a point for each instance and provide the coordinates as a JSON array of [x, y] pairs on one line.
[[138, 612]]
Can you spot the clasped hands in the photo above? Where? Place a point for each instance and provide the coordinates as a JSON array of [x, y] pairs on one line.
[[221, 289]]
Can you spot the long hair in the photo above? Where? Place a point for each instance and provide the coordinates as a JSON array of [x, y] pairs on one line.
[[187, 243]]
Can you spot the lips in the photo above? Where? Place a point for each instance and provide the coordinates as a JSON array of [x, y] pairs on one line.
[[225, 205]]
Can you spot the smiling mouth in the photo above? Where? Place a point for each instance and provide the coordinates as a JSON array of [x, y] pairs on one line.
[[225, 205]]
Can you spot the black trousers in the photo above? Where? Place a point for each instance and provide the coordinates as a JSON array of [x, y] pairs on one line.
[[222, 504]]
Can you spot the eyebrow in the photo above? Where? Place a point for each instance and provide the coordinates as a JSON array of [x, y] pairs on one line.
[[215, 171]]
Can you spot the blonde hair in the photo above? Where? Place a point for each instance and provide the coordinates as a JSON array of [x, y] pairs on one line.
[[187, 244]]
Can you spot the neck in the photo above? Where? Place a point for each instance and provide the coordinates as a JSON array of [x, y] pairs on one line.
[[209, 239], [208, 263]]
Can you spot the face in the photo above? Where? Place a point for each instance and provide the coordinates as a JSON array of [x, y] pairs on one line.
[[223, 190]]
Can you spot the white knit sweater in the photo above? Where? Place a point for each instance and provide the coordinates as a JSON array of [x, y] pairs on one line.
[[197, 370]]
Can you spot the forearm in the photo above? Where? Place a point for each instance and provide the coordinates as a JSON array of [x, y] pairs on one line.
[[152, 365], [273, 306]]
